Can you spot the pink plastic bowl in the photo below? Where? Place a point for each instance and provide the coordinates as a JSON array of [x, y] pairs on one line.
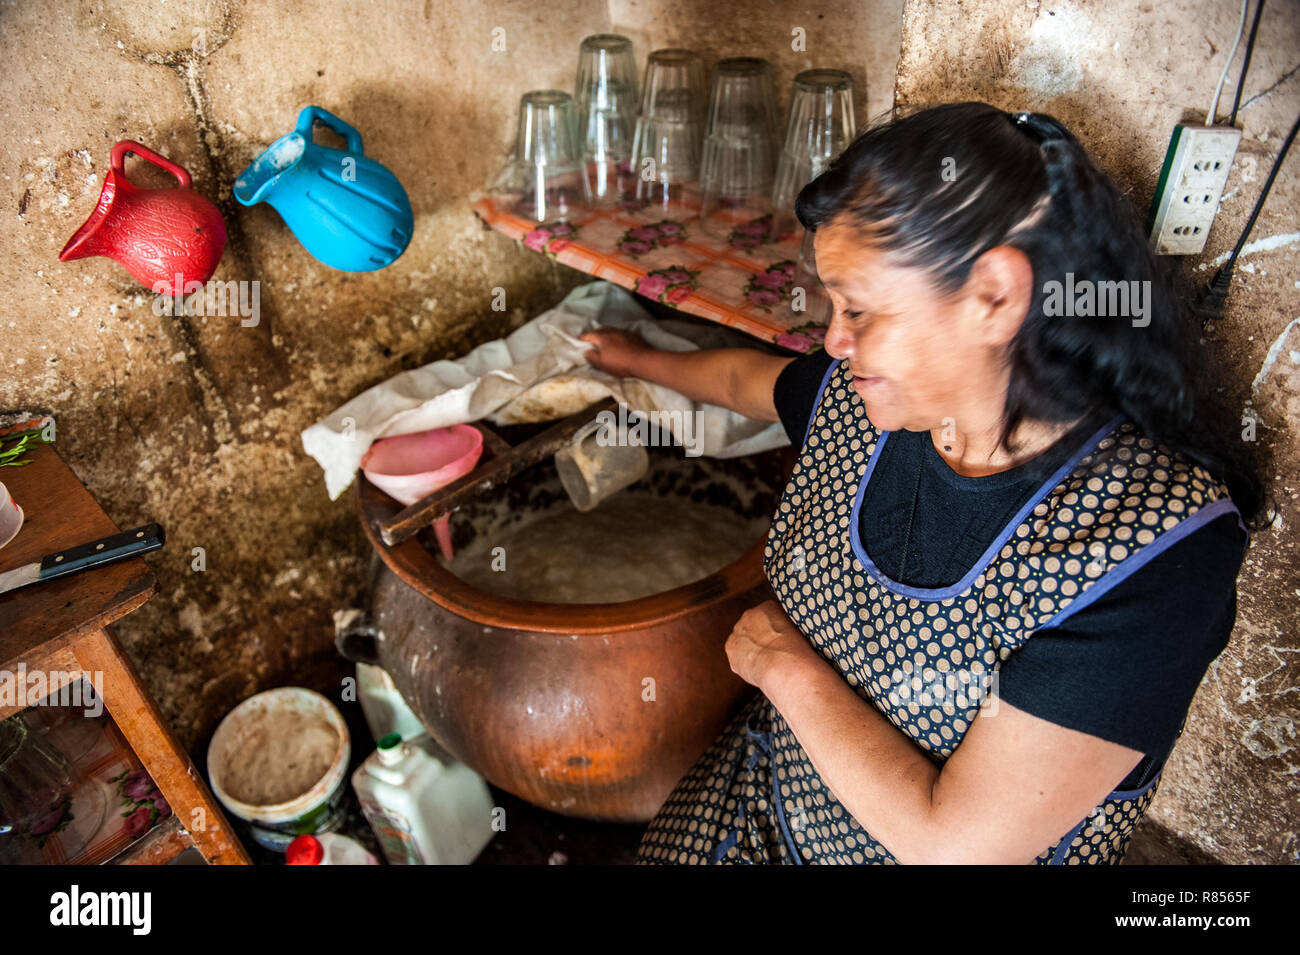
[[409, 467]]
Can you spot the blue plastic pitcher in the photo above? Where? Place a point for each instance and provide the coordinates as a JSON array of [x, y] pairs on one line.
[[346, 209]]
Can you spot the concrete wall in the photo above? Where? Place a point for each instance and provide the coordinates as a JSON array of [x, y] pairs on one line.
[[194, 422], [1120, 74]]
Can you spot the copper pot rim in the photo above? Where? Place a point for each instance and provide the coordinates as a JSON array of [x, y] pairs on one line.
[[418, 568]]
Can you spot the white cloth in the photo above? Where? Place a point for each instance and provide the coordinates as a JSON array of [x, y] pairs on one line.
[[536, 373]]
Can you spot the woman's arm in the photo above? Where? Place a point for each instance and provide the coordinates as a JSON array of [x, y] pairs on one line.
[[1014, 786], [741, 379]]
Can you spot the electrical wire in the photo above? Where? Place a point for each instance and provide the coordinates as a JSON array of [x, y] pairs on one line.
[[1245, 63], [1263, 192], [1241, 28], [1210, 302]]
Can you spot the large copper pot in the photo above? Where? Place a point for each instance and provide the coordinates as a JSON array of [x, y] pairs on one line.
[[591, 710]]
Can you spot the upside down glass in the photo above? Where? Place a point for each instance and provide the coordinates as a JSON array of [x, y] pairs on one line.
[[809, 302], [606, 99], [545, 175], [670, 129], [820, 125], [739, 146], [34, 787]]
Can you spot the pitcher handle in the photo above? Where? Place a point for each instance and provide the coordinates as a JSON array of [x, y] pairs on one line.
[[126, 146], [314, 114]]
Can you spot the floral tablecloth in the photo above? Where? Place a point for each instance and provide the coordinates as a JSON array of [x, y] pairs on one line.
[[739, 281]]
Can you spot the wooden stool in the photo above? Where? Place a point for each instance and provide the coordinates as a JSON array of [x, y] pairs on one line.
[[61, 626]]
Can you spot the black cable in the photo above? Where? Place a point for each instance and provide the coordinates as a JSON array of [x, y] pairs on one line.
[[1245, 63], [1211, 300]]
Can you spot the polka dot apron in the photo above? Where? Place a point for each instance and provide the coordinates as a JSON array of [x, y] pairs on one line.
[[927, 658]]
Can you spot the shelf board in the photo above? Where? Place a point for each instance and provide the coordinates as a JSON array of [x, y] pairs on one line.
[[662, 254]]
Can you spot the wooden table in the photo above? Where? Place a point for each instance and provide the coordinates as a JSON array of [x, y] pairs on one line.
[[60, 627]]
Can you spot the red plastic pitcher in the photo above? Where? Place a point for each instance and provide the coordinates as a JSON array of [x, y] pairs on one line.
[[168, 239]]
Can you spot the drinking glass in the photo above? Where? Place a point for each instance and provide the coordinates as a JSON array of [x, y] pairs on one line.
[[821, 124], [34, 784], [38, 797], [544, 175], [670, 129], [606, 95], [739, 146], [68, 728], [815, 302]]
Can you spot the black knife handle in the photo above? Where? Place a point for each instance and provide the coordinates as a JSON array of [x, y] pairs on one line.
[[140, 540]]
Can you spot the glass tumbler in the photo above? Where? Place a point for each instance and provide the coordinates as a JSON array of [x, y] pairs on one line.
[[739, 149], [34, 787], [670, 128], [820, 125], [39, 797], [809, 302], [606, 98], [545, 176]]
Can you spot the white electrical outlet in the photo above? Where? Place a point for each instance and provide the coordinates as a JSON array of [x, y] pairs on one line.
[[1191, 183]]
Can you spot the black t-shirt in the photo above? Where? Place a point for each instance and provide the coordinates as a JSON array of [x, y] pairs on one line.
[[1125, 667]]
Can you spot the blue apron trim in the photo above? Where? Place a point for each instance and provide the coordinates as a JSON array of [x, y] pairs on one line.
[[1149, 552], [762, 747], [821, 391], [1063, 847], [943, 593]]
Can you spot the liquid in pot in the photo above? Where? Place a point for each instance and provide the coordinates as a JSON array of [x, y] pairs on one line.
[[633, 545]]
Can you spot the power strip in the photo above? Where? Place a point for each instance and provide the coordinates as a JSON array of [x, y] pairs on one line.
[[1191, 184]]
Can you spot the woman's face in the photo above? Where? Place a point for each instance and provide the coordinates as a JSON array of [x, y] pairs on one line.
[[918, 357]]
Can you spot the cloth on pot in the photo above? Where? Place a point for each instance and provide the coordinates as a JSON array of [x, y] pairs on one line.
[[539, 373]]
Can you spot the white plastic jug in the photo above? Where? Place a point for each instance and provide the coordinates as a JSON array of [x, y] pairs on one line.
[[382, 703], [424, 806]]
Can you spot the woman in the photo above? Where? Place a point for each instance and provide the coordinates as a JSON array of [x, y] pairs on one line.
[[1008, 550]]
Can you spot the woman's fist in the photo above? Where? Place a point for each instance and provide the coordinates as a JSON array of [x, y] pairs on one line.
[[765, 639], [617, 352]]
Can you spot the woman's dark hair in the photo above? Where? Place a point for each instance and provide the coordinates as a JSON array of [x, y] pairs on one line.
[[941, 187]]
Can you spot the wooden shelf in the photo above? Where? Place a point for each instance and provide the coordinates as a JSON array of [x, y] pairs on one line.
[[662, 254]]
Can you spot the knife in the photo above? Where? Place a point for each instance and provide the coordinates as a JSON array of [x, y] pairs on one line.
[[130, 543]]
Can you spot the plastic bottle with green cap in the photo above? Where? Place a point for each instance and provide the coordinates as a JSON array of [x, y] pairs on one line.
[[424, 806]]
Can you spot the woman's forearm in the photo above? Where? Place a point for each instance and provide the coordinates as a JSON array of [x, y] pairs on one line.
[[741, 379], [883, 780]]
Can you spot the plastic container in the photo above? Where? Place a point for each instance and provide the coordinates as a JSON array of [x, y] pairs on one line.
[[425, 807], [409, 467], [328, 849], [273, 743], [11, 516], [382, 703], [591, 471]]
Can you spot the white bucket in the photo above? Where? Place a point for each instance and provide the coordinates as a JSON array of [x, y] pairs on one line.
[[279, 761]]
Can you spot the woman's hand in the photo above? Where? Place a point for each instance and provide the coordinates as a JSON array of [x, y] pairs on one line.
[[764, 641], [617, 352]]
